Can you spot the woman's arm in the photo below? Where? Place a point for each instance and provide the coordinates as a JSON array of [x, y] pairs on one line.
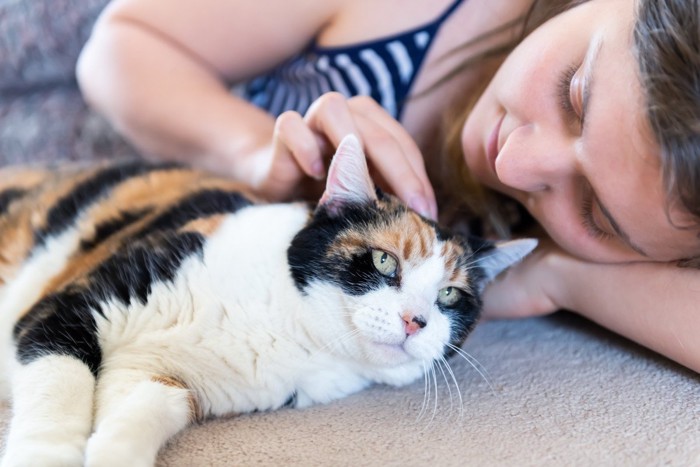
[[653, 304], [156, 69]]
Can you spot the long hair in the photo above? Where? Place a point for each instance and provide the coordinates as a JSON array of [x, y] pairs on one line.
[[667, 43]]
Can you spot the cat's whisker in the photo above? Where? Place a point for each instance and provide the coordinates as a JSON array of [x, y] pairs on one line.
[[445, 368], [426, 389], [330, 346], [439, 362], [338, 342], [468, 358], [433, 381], [459, 390], [343, 310], [476, 362], [430, 391]]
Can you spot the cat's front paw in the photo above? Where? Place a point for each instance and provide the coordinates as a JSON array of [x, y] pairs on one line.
[[45, 455], [103, 451]]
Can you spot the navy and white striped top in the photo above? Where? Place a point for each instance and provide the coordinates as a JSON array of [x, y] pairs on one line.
[[384, 69]]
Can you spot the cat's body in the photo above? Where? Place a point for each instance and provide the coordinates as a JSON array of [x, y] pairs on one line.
[[137, 299]]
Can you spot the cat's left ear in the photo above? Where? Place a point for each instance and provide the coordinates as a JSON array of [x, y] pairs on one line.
[[504, 255], [348, 179]]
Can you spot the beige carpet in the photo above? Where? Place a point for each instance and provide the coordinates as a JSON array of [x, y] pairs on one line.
[[560, 392]]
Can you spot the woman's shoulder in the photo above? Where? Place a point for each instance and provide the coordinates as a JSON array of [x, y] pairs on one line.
[[357, 21]]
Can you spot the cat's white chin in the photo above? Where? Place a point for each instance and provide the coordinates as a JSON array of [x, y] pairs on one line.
[[390, 354]]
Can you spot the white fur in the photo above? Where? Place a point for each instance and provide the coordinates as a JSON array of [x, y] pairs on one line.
[[52, 400], [235, 330], [135, 421], [26, 288], [244, 338]]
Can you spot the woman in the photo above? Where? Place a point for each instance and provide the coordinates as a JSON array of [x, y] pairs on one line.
[[590, 123]]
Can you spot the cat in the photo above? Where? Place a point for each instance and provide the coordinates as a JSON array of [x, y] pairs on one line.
[[139, 298]]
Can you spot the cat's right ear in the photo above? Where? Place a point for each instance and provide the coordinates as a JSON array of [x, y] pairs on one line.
[[495, 260], [348, 179]]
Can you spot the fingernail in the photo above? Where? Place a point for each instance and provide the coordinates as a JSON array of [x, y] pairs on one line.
[[420, 205], [318, 169]]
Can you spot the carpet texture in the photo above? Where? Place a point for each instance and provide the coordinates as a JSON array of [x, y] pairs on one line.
[[556, 391]]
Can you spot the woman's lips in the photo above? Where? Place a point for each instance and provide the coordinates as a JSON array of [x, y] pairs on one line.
[[492, 144]]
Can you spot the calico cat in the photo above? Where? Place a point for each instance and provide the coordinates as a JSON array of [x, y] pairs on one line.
[[137, 299]]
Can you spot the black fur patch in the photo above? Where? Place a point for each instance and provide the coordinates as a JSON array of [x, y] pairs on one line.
[[64, 322], [465, 313], [60, 324], [198, 205], [8, 196], [108, 228], [463, 316], [67, 209], [132, 272], [309, 257], [359, 276], [291, 401]]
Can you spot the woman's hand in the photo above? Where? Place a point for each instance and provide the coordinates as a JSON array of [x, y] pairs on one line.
[[529, 288], [653, 304], [301, 147]]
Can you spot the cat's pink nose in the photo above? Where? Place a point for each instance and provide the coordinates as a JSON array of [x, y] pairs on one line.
[[412, 323]]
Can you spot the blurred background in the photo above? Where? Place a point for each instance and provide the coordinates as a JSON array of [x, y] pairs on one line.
[[42, 115]]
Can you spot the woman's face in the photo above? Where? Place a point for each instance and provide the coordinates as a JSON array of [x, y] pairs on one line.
[[562, 129]]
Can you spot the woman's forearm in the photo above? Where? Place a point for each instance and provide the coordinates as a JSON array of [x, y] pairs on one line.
[[166, 102], [653, 304]]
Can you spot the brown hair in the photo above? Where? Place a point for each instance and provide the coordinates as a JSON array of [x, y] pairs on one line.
[[667, 41]]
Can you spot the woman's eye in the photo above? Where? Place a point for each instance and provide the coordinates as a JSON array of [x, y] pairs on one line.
[[384, 263], [449, 296], [569, 93], [589, 222]]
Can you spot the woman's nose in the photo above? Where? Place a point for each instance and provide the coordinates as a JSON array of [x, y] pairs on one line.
[[534, 159]]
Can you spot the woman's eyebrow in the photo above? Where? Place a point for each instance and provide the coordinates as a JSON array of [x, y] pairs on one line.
[[621, 233]]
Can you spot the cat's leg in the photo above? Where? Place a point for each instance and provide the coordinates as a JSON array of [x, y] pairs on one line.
[[136, 414], [52, 403]]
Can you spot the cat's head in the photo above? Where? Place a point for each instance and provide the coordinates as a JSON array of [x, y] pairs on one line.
[[391, 288]]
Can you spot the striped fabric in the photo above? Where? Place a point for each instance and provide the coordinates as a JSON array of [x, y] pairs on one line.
[[383, 69]]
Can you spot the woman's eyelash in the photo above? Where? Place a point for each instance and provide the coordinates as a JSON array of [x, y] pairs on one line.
[[589, 222], [564, 92]]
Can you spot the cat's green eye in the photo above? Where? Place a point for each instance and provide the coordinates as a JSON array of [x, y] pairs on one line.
[[384, 263], [449, 296]]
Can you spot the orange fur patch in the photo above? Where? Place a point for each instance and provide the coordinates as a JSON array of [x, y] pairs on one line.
[[195, 409], [205, 226], [150, 192]]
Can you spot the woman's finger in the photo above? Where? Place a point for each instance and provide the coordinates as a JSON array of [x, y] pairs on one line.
[[331, 118], [293, 138], [388, 158], [407, 148], [389, 148]]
